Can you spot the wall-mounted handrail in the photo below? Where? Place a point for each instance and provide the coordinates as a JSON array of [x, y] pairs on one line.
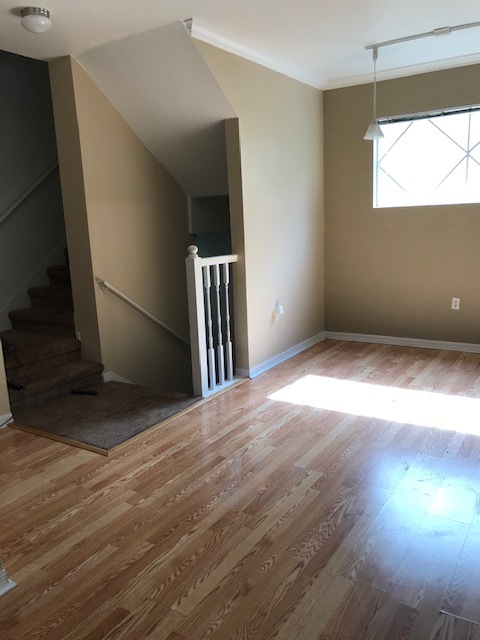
[[27, 192], [108, 287]]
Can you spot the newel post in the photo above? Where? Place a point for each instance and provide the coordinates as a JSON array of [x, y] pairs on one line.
[[196, 313]]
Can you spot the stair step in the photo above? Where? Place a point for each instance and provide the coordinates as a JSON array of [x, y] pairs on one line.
[[51, 297], [59, 276], [36, 353], [56, 383], [54, 322], [47, 360]]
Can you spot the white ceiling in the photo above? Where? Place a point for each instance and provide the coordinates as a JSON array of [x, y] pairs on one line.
[[318, 41]]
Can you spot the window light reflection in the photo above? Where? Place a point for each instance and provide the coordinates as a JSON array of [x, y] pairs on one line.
[[422, 408]]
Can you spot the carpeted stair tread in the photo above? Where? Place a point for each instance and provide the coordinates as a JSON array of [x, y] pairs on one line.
[[51, 296], [50, 321], [59, 275], [47, 359], [56, 382], [36, 352], [43, 316]]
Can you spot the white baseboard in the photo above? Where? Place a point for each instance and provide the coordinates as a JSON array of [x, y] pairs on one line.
[[281, 357], [404, 342], [5, 419], [6, 585], [111, 376]]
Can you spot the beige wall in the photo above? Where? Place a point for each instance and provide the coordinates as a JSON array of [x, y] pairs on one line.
[[280, 130], [131, 222], [394, 271], [75, 206], [237, 232]]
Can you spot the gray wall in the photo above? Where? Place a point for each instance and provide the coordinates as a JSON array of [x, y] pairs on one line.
[[33, 237]]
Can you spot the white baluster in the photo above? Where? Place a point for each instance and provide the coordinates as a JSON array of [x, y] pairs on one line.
[[220, 356], [228, 338], [208, 355], [196, 312], [212, 376]]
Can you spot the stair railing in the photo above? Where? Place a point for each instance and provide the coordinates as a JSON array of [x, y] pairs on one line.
[[106, 286], [208, 287], [27, 192]]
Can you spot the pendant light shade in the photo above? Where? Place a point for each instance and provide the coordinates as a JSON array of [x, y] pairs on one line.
[[36, 19], [374, 131]]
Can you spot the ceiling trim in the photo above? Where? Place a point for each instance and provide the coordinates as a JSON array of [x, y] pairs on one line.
[[206, 33], [401, 72]]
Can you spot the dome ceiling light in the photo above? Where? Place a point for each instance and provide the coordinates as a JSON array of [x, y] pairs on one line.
[[36, 19]]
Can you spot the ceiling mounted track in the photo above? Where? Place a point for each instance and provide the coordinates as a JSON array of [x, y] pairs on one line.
[[442, 31]]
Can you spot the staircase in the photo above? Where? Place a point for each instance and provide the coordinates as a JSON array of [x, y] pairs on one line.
[[47, 359]]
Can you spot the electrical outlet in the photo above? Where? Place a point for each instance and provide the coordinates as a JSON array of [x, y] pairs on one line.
[[455, 304], [277, 312]]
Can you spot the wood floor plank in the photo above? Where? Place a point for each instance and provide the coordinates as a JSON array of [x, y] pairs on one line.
[[139, 624], [318, 605], [462, 598], [449, 627], [457, 497], [228, 579], [351, 618], [378, 554], [431, 558], [254, 518], [391, 619], [102, 625]]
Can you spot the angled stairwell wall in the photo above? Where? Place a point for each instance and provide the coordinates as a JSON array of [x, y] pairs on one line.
[[126, 221], [167, 93]]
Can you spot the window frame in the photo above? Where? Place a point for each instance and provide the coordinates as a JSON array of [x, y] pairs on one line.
[[413, 117]]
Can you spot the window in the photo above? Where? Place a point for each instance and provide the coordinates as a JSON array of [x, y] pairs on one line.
[[428, 159]]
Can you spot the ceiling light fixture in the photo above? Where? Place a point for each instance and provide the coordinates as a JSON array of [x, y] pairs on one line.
[[36, 20], [374, 132]]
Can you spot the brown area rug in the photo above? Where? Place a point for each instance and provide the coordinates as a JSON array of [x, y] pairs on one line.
[[102, 422]]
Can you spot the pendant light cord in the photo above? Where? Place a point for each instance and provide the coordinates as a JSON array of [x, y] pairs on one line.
[[375, 57]]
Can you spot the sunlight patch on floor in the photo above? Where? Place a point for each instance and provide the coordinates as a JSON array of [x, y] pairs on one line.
[[422, 408]]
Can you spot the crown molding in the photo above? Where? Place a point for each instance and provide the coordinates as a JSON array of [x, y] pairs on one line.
[[402, 72], [205, 33]]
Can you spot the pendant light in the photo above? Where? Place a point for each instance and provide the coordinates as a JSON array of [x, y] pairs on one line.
[[374, 132]]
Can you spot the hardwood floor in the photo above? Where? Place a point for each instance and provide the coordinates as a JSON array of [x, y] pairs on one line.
[[255, 516]]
